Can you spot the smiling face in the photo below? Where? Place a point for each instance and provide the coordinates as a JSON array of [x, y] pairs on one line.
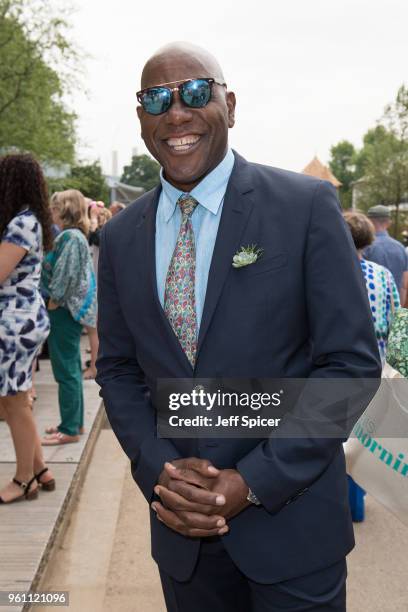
[[187, 142]]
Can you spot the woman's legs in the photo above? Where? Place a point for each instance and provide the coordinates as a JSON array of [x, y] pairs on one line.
[[23, 430], [90, 372], [64, 347], [39, 463]]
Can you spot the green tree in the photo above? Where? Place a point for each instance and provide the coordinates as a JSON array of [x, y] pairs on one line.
[[143, 171], [372, 137], [88, 178], [343, 165], [384, 158], [36, 69]]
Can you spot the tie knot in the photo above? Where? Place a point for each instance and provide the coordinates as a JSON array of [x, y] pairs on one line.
[[187, 204]]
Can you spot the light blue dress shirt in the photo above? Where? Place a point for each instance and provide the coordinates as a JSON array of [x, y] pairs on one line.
[[205, 220]]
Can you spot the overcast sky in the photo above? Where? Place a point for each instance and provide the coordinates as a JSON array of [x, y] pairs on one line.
[[306, 74]]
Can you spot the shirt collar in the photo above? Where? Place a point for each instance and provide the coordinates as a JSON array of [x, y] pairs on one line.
[[381, 233], [209, 192]]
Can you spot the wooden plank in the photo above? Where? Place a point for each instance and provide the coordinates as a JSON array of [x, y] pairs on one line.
[[26, 527]]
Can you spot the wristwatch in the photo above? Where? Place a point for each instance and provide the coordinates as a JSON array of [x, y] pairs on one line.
[[251, 497]]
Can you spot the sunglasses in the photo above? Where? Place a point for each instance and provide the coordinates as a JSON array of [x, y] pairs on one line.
[[194, 93]]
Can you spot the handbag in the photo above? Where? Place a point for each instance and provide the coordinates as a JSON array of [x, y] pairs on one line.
[[376, 459]]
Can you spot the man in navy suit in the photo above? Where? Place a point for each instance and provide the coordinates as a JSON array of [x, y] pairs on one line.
[[237, 525]]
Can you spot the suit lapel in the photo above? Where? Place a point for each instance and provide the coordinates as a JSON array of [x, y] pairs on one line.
[[235, 214], [149, 234]]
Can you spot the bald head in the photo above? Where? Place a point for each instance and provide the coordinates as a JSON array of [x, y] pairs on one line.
[[180, 60]]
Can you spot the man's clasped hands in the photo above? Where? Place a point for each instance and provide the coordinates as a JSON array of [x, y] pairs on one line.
[[196, 498]]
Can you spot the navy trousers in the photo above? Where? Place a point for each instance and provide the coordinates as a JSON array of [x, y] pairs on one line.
[[217, 585]]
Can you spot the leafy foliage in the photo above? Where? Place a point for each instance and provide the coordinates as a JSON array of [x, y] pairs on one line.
[[143, 171], [343, 166], [88, 178], [36, 69], [386, 154], [382, 161]]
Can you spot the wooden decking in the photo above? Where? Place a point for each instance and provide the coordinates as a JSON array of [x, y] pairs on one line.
[[28, 529]]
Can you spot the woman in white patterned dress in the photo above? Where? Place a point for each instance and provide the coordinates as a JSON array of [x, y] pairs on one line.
[[25, 228]]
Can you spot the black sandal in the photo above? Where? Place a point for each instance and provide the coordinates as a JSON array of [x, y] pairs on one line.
[[46, 486], [27, 493]]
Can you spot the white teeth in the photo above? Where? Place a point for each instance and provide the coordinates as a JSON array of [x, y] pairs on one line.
[[184, 143]]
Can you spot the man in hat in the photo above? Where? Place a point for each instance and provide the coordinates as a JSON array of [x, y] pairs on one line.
[[386, 251]]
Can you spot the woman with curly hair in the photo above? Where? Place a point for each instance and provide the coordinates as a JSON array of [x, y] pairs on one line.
[[68, 279], [25, 229]]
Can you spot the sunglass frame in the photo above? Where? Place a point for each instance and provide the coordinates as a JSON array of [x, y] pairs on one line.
[[209, 80]]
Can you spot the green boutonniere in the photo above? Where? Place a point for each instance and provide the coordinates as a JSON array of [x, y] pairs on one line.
[[246, 256]]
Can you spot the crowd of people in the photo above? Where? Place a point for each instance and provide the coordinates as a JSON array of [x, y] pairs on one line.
[[48, 267]]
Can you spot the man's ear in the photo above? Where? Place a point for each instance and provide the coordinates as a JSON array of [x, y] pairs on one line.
[[231, 102]]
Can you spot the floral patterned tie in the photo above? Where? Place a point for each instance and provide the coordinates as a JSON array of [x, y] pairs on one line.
[[179, 293]]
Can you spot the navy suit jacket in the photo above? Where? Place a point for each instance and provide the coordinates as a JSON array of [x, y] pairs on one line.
[[300, 311]]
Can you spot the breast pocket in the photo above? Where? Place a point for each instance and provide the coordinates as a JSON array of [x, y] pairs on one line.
[[267, 264]]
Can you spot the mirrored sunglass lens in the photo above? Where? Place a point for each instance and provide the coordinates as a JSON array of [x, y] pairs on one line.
[[196, 93], [156, 100]]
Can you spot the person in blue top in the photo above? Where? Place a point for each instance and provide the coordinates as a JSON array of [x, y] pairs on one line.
[[384, 301], [387, 251], [25, 230], [68, 279]]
